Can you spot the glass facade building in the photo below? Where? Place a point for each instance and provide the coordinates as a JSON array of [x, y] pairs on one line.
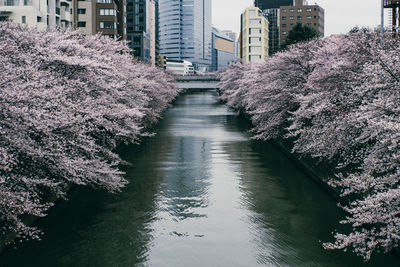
[[140, 24], [185, 31], [267, 4], [274, 34]]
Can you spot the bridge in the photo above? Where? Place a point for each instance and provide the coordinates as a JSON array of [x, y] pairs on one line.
[[204, 82]]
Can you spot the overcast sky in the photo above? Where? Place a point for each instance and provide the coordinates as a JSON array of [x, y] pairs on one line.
[[340, 15]]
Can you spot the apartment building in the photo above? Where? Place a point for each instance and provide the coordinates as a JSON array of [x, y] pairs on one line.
[[102, 16], [301, 12], [40, 14], [254, 35]]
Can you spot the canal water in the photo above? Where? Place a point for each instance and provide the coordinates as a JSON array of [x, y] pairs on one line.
[[201, 193]]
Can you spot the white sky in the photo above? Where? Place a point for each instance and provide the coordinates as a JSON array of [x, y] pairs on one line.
[[340, 15]]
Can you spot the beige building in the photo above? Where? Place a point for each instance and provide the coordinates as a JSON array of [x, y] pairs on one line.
[[301, 12], [162, 61], [40, 14], [253, 36]]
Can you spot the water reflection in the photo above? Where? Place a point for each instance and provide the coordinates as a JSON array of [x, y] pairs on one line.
[[201, 193]]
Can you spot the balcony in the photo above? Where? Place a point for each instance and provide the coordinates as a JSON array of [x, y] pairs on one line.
[[391, 3], [65, 15], [15, 2]]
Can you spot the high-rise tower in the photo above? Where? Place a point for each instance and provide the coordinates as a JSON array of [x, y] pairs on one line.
[[141, 28], [185, 31]]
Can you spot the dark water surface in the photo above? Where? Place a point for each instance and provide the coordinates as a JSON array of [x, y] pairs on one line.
[[201, 193]]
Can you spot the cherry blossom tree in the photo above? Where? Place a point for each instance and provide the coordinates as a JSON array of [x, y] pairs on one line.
[[337, 99], [67, 101]]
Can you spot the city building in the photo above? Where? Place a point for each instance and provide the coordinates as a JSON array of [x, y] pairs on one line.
[[102, 16], [270, 4], [394, 14], [254, 38], [185, 31], [272, 13], [162, 61], [141, 29], [273, 17], [301, 12], [232, 35], [157, 38], [180, 67], [223, 52], [40, 14]]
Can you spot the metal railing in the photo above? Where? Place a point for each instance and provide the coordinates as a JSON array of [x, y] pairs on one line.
[[15, 2]]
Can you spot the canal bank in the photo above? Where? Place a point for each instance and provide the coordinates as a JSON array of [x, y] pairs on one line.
[[201, 193]]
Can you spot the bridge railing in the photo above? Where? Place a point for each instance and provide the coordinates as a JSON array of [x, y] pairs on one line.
[[202, 78]]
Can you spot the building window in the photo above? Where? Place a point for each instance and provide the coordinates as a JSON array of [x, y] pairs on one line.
[[255, 58], [299, 10], [283, 17], [284, 25], [308, 9], [108, 25], [284, 33], [255, 49], [104, 1], [254, 22], [291, 17], [283, 10], [81, 23], [299, 18], [23, 19], [252, 13], [254, 40], [291, 10], [107, 12], [254, 31], [309, 17], [81, 10]]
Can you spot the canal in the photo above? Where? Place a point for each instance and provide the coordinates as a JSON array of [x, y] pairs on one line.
[[201, 193]]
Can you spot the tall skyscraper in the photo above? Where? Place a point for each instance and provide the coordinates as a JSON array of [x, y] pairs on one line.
[[310, 15], [185, 31], [141, 29], [267, 4], [253, 35]]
